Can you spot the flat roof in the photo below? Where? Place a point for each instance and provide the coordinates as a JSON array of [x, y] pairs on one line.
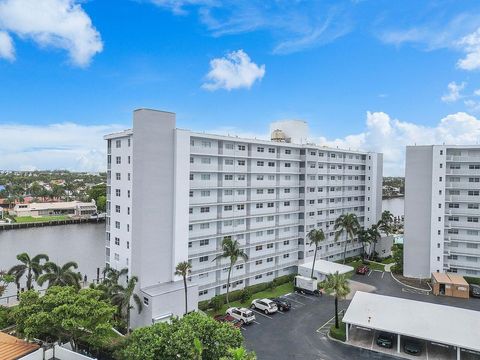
[[167, 287], [54, 205], [327, 267], [433, 322]]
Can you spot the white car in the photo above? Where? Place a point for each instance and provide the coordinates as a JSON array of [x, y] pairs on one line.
[[245, 315], [265, 305]]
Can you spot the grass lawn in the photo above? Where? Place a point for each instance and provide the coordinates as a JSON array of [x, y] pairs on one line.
[[278, 291], [340, 333], [389, 260], [30, 219]]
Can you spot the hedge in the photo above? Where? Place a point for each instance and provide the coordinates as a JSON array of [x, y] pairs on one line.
[[253, 289], [472, 280]]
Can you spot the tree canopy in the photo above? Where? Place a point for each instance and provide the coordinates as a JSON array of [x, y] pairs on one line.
[[177, 340], [65, 314]]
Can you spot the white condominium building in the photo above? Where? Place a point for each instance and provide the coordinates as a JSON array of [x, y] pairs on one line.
[[175, 194], [442, 201]]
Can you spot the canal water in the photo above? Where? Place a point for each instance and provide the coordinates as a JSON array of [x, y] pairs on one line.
[[82, 243], [394, 205]]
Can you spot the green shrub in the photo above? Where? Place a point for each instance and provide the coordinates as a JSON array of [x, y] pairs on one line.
[[203, 305], [6, 317], [217, 302], [246, 295], [472, 280]]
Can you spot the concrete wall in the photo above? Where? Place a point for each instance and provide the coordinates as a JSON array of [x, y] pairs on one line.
[[153, 203], [418, 211]]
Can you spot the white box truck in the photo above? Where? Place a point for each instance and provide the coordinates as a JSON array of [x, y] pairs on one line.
[[305, 285]]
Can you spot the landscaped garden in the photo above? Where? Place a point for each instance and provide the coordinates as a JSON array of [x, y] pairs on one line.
[[31, 219]]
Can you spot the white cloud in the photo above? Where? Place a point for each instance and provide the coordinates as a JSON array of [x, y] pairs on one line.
[[7, 50], [233, 71], [454, 92], [476, 92], [59, 24], [390, 136], [57, 146], [470, 44]]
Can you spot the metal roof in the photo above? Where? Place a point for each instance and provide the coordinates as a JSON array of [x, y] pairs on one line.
[[433, 322]]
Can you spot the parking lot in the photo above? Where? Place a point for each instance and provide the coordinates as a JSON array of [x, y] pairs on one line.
[[300, 333]]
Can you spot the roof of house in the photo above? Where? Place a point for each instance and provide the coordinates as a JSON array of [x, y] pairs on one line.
[[55, 205], [457, 279], [328, 267], [12, 348], [441, 278], [422, 320]]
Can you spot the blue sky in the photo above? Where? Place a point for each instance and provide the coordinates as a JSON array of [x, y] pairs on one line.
[[375, 75]]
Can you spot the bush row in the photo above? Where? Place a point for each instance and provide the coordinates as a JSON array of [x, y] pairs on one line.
[[472, 280], [244, 294]]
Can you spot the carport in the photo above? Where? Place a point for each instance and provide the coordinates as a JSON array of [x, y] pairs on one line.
[[322, 269], [439, 324]]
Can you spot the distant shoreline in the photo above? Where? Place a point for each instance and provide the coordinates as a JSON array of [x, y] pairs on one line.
[[15, 226]]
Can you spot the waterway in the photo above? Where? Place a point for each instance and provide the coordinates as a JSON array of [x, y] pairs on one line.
[[394, 205]]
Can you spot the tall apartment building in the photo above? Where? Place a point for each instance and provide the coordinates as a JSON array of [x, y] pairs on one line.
[[174, 195], [442, 201]]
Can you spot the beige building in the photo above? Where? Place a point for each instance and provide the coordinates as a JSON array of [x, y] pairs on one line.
[[70, 208]]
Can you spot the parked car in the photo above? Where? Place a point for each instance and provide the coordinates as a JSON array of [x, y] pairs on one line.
[[245, 315], [475, 290], [229, 319], [363, 269], [265, 305], [385, 340], [282, 303], [412, 347]]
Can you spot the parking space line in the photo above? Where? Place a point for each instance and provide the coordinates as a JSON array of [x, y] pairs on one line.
[[297, 301], [369, 273], [383, 273], [260, 313], [306, 297], [256, 322], [280, 312]]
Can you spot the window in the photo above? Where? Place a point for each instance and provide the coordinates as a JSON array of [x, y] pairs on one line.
[[286, 203], [205, 209], [475, 180], [128, 158], [128, 210], [258, 248], [229, 146], [258, 262], [228, 208], [204, 226], [270, 246], [206, 144], [258, 277], [205, 177], [205, 193], [117, 192], [271, 191], [228, 192], [117, 224], [241, 207], [286, 191], [191, 194], [260, 177], [117, 208], [241, 162], [286, 256], [204, 242], [118, 160], [118, 176], [228, 161], [129, 177], [203, 258], [287, 165], [270, 205], [191, 177], [259, 163], [241, 147], [228, 177], [271, 150], [117, 241], [288, 151], [206, 160], [260, 149], [190, 210], [241, 177], [118, 144], [129, 142], [271, 164], [259, 206], [202, 292], [259, 191]]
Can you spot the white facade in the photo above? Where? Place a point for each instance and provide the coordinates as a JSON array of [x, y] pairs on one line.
[[190, 190], [442, 201]]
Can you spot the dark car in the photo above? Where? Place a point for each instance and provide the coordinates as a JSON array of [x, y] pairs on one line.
[[475, 291], [412, 347], [385, 340], [282, 303], [362, 269], [229, 319]]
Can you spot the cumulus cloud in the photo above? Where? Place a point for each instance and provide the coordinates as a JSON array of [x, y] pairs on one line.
[[7, 50], [454, 92], [57, 146], [61, 24], [470, 44], [234, 71], [390, 136]]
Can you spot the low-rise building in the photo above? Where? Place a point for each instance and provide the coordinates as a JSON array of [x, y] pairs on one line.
[[69, 208]]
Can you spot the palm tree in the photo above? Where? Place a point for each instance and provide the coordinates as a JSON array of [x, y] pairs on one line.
[[386, 221], [364, 237], [111, 276], [231, 250], [348, 224], [122, 298], [184, 269], [60, 275], [316, 236], [337, 284], [374, 235], [28, 265]]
